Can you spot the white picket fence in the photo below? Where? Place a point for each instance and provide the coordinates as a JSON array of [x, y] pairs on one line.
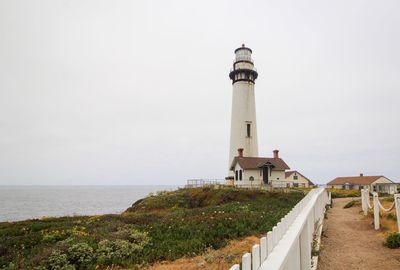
[[289, 245], [377, 206]]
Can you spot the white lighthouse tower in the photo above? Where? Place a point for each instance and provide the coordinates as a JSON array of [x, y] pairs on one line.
[[243, 120]]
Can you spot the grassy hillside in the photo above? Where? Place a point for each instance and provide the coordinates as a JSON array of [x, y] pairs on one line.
[[166, 226]]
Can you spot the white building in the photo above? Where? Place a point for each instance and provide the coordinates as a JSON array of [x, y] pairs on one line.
[[296, 179], [374, 183], [243, 119], [258, 171]]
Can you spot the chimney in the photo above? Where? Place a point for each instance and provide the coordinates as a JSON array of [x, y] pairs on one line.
[[276, 153], [361, 174], [240, 151]]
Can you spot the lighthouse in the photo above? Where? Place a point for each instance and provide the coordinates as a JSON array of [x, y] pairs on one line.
[[243, 133]]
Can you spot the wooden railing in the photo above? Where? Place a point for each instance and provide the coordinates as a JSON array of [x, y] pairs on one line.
[[289, 245]]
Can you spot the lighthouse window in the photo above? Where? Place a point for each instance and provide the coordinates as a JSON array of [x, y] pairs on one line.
[[248, 130]]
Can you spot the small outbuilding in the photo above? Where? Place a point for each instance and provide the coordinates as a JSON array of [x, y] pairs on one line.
[[296, 179], [377, 183]]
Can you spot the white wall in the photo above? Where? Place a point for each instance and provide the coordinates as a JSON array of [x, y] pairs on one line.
[[275, 175], [390, 187], [301, 181], [243, 112]]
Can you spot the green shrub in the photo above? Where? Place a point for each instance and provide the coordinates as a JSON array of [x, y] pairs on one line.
[[349, 204], [115, 251], [80, 254], [393, 240], [129, 233], [139, 238], [120, 249], [56, 261]]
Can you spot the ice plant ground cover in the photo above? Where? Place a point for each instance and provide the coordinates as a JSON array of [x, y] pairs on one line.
[[165, 226]]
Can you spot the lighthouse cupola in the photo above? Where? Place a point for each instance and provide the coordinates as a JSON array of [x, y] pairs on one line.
[[243, 66]]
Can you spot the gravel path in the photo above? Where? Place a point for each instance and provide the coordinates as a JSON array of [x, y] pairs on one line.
[[350, 242]]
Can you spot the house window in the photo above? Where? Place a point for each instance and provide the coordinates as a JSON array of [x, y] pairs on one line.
[[295, 177], [251, 178], [240, 175], [236, 175], [248, 130]]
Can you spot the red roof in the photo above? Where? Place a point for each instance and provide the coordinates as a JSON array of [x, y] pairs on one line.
[[355, 180], [257, 162]]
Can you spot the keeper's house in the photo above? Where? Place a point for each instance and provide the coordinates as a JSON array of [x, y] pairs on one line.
[[373, 183], [258, 171], [296, 179]]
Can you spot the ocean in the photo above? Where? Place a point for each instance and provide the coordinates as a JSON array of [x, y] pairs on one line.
[[29, 202]]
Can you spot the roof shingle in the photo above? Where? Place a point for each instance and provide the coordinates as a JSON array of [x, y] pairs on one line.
[[257, 162], [354, 180]]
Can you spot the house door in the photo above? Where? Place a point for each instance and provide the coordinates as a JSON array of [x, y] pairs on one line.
[[265, 175]]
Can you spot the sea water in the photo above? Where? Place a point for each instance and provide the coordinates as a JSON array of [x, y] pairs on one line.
[[29, 202]]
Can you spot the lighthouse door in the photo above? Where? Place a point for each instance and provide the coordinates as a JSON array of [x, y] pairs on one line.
[[265, 174]]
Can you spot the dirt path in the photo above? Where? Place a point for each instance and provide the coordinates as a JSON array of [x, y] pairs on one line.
[[350, 242]]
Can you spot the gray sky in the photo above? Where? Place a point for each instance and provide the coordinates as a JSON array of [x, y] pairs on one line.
[[137, 92]]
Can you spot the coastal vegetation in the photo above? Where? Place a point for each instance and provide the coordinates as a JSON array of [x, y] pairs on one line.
[[349, 204], [343, 193], [393, 240], [165, 226]]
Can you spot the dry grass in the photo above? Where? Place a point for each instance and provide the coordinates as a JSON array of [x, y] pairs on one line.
[[220, 259], [388, 220]]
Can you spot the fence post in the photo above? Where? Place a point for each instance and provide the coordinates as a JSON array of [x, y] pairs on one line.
[[246, 261], [263, 249], [376, 210], [305, 248], [364, 202], [397, 205], [274, 236], [330, 199], [235, 267], [255, 254], [270, 242], [279, 230]]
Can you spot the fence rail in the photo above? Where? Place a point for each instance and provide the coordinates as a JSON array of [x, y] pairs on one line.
[[288, 245], [272, 186], [377, 206], [193, 183]]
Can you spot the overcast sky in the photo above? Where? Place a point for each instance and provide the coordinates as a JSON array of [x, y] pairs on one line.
[[137, 92]]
